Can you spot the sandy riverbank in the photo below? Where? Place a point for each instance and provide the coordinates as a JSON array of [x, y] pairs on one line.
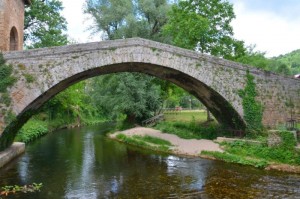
[[191, 147]]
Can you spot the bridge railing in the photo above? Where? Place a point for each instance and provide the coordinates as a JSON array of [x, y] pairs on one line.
[[178, 109], [153, 120]]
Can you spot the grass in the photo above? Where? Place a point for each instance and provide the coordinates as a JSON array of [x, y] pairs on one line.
[[190, 125], [192, 130], [232, 158], [186, 116], [283, 153], [153, 140], [260, 155], [148, 142]]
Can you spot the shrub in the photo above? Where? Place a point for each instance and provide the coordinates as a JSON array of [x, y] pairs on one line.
[[191, 130], [32, 130], [284, 153]]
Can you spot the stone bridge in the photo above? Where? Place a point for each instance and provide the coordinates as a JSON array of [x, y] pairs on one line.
[[42, 73]]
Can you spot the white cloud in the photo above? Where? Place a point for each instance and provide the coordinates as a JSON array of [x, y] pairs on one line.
[[78, 22], [272, 33]]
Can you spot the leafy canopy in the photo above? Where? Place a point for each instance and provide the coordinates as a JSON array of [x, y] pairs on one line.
[[128, 18], [132, 94], [44, 25], [204, 25]]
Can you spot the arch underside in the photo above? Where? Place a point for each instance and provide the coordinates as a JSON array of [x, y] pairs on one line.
[[216, 104]]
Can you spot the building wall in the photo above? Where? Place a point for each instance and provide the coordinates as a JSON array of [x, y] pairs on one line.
[[11, 15]]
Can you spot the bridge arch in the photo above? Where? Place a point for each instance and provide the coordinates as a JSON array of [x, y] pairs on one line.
[[215, 82]]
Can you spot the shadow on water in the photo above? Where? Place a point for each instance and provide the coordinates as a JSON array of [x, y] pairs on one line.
[[83, 163]]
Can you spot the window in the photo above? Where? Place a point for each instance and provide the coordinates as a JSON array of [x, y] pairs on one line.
[[13, 39]]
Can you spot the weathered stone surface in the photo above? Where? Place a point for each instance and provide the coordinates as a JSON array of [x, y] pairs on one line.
[[274, 138], [12, 152], [215, 82], [11, 16]]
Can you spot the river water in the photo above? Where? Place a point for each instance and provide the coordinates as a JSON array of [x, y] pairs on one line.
[[84, 163]]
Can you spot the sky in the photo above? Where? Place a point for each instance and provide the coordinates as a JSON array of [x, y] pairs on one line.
[[273, 26]]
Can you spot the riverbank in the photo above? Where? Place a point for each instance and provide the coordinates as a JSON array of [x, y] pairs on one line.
[[36, 128], [191, 147], [202, 148]]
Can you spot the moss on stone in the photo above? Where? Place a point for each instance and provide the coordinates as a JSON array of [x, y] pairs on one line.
[[29, 78]]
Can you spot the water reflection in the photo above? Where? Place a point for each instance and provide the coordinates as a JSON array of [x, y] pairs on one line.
[[193, 171], [82, 187], [23, 168], [83, 163]]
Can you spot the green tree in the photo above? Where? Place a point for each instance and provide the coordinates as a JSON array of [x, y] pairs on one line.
[[127, 93], [128, 18], [204, 25], [292, 62], [44, 25], [257, 59], [72, 105], [254, 58]]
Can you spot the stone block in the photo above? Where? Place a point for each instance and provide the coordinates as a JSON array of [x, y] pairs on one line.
[[12, 152], [274, 138]]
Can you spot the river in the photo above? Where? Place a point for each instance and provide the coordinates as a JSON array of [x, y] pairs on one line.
[[84, 163]]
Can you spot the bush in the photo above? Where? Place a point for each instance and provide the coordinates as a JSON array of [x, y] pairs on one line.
[[284, 153], [191, 130], [32, 130]]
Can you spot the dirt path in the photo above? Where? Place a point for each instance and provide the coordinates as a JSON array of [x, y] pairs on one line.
[[191, 147]]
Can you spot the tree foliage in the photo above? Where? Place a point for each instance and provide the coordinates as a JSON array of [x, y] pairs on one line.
[[204, 25], [291, 60], [259, 60], [44, 25], [132, 94], [72, 105], [128, 18]]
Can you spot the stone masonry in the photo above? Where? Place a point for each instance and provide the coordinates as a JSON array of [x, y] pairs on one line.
[[11, 16], [215, 82]]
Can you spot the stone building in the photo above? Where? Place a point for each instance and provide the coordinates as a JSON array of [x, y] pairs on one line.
[[12, 24]]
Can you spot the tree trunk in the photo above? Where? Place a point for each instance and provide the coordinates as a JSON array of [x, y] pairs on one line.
[[208, 115], [131, 118]]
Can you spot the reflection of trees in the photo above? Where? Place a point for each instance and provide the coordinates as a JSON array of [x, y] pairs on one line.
[[154, 176], [84, 163], [233, 182]]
